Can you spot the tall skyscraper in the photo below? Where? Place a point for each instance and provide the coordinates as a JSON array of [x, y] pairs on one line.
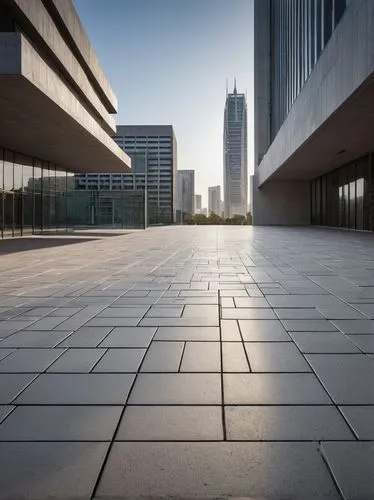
[[235, 163], [214, 200], [198, 203], [186, 191], [153, 153], [314, 113]]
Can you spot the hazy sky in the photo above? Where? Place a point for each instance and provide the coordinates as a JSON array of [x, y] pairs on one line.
[[168, 60]]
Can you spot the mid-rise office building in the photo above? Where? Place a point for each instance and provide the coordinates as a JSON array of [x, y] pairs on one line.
[[153, 153], [235, 160], [55, 114], [214, 200], [186, 191], [314, 113], [198, 203]]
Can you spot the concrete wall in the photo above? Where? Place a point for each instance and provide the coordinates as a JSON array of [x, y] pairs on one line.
[[346, 63], [43, 25], [282, 204]]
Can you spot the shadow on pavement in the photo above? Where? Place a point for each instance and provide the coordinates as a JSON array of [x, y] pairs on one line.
[[13, 245]]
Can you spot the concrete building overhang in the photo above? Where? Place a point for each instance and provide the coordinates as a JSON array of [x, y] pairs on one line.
[[331, 121], [41, 117]]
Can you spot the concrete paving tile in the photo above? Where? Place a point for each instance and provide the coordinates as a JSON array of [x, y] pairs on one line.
[[97, 321], [47, 323], [263, 331], [86, 337], [165, 312], [201, 357], [183, 321], [66, 312], [299, 325], [354, 326], [347, 377], [251, 302], [230, 331], [35, 339], [234, 358], [327, 343], [76, 361], [227, 302], [82, 317], [285, 423], [367, 309], [5, 352], [29, 360], [163, 357], [364, 342], [78, 389], [5, 410], [171, 423], [361, 419], [129, 337], [121, 312], [187, 333], [345, 312], [219, 470], [298, 313], [234, 293], [61, 423], [275, 357], [352, 466], [49, 470], [11, 384], [176, 388], [242, 313], [293, 301], [273, 389], [120, 361]]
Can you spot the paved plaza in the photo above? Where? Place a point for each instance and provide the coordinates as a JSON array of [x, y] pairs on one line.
[[189, 362]]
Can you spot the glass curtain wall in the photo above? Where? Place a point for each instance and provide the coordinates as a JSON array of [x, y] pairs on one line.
[[344, 197], [300, 30], [32, 195]]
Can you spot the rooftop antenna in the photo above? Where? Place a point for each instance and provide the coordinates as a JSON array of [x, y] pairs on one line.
[[235, 91]]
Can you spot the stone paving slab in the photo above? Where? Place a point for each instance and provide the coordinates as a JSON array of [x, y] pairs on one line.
[[189, 362]]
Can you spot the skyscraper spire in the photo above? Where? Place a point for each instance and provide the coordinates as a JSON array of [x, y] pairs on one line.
[[235, 91]]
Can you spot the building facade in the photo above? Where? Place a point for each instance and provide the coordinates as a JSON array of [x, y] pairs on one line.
[[314, 113], [214, 200], [235, 160], [55, 114], [198, 203], [153, 153], [186, 191]]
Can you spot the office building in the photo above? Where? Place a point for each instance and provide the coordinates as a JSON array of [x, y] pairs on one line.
[[186, 191], [153, 153], [214, 200], [198, 203], [235, 166], [314, 113], [55, 114]]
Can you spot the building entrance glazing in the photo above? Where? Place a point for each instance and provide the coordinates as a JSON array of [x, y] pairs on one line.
[[345, 197]]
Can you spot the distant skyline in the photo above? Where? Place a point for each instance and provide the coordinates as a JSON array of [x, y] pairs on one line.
[[168, 62]]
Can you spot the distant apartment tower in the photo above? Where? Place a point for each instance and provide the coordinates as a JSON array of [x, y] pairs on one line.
[[235, 163], [153, 150], [214, 200], [186, 191], [198, 203]]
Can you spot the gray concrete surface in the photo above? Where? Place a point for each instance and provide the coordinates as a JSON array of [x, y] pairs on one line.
[[189, 362]]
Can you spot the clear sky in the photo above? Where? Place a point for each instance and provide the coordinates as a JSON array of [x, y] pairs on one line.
[[168, 60]]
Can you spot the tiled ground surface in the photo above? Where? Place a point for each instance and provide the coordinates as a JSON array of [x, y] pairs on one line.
[[193, 362]]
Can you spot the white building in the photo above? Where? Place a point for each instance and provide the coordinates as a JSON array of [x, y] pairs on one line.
[[186, 191], [214, 200]]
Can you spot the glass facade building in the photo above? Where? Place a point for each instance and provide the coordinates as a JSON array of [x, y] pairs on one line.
[[344, 197], [33, 195], [152, 150], [300, 30]]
